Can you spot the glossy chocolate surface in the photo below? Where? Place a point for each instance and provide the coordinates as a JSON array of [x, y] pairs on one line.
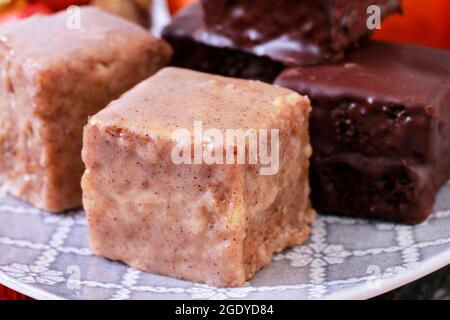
[[254, 41], [191, 53], [294, 32]]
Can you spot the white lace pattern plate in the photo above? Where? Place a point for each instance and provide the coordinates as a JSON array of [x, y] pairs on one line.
[[46, 256]]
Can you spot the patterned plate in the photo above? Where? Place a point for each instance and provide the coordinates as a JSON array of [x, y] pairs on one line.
[[47, 257]]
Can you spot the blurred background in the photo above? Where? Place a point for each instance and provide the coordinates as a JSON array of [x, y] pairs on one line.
[[424, 22]]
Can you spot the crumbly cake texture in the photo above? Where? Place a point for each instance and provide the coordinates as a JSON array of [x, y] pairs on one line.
[[216, 224], [380, 130], [52, 78]]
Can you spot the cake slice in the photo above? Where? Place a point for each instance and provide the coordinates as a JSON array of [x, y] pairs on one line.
[[380, 130], [193, 51], [172, 185], [256, 39], [295, 32], [53, 76]]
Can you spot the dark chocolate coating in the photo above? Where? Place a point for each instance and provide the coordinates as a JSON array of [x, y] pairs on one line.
[[295, 32], [380, 130], [193, 54]]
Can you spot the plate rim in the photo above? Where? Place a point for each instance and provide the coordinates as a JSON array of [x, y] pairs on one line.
[[27, 289], [424, 269]]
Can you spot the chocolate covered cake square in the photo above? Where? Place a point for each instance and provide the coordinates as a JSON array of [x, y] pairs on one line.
[[256, 39], [380, 130]]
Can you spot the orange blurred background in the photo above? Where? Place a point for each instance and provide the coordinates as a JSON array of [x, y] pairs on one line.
[[176, 5], [425, 22], [7, 294]]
